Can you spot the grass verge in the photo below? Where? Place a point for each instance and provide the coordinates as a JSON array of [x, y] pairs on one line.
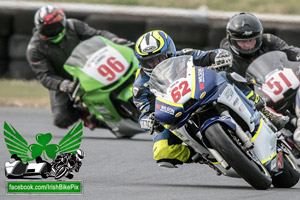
[[256, 6], [23, 94]]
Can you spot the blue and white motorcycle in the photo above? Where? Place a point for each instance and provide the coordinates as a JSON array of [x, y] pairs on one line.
[[221, 124]]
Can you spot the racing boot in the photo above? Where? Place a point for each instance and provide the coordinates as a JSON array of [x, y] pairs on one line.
[[277, 119], [171, 163], [98, 123], [85, 117], [84, 114]]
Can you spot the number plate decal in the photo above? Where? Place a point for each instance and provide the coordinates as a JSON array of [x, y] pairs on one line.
[[106, 65], [277, 84]]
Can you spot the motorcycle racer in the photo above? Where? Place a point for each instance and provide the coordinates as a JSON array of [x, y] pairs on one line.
[[247, 41], [54, 38], [152, 48], [71, 161]]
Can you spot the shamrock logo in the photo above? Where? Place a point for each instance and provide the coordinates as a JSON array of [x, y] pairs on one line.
[[43, 146], [16, 144]]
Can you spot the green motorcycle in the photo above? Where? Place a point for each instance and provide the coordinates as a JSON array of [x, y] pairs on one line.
[[106, 72]]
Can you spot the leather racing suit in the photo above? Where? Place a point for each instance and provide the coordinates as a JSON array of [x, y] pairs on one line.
[[47, 59], [270, 42], [166, 146]]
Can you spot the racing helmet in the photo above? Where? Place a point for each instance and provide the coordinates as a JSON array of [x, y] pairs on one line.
[[79, 154], [242, 27], [152, 48], [50, 23]]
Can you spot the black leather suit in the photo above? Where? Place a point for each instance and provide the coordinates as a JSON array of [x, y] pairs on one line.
[[47, 60]]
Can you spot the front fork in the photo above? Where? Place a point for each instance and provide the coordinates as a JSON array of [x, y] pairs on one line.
[[239, 132]]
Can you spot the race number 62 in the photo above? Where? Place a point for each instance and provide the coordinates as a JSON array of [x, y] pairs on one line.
[[180, 91]]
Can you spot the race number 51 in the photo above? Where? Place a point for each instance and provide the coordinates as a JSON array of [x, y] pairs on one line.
[[279, 83]]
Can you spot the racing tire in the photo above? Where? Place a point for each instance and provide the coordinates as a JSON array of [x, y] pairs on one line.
[[257, 176], [60, 172], [289, 176], [44, 176], [70, 175]]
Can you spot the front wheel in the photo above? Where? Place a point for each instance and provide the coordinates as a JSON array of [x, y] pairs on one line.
[[256, 176], [60, 172]]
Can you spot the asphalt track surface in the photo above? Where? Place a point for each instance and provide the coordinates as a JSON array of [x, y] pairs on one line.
[[123, 169]]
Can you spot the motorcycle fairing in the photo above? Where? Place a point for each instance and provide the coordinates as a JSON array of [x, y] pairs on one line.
[[280, 82], [264, 151], [99, 63], [168, 112], [240, 104], [237, 102], [195, 83], [275, 77], [90, 55], [205, 84], [100, 106], [224, 120]]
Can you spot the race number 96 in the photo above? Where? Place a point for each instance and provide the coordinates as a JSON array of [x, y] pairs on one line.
[[111, 68]]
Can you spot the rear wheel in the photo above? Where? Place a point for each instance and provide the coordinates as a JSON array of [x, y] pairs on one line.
[[44, 175], [289, 176], [256, 175]]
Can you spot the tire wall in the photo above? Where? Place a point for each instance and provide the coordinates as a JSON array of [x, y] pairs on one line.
[[198, 28]]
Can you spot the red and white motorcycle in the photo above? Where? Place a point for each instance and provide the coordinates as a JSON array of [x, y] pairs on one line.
[[276, 80]]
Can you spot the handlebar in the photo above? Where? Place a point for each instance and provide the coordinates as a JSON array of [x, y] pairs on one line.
[[72, 95], [131, 44]]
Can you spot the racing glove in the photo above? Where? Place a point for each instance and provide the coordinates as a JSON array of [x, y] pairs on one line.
[[122, 41], [297, 57], [66, 86], [151, 124], [223, 60]]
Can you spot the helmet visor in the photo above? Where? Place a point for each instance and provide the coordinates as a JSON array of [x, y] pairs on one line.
[[247, 46], [52, 30], [149, 64]]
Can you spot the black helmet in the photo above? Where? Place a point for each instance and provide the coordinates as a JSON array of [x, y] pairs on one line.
[[152, 48], [50, 22], [244, 26]]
